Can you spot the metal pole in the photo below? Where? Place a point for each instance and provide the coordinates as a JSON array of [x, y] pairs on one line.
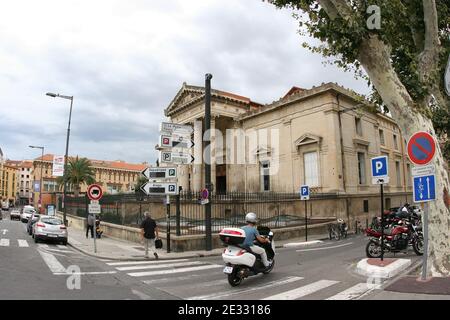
[[208, 232], [40, 183], [425, 242], [65, 162], [382, 221], [306, 220], [178, 211], [168, 222]]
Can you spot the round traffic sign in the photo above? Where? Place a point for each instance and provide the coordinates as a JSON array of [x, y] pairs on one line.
[[421, 148], [205, 193], [94, 192]]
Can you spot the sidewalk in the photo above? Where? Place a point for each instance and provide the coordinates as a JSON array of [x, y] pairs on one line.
[[115, 249]]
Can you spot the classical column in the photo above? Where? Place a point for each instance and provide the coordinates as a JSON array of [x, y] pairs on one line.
[[197, 171], [213, 152]]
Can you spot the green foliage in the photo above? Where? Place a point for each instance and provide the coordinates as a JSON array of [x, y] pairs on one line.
[[79, 171]]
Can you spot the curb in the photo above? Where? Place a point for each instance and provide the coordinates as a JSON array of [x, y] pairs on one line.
[[301, 244], [197, 255], [389, 271]]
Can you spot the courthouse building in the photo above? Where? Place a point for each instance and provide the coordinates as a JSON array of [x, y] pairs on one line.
[[324, 137]]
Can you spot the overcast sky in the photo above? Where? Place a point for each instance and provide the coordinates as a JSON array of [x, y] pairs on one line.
[[124, 61]]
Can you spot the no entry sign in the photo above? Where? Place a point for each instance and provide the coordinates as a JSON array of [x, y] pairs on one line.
[[94, 192], [421, 148]]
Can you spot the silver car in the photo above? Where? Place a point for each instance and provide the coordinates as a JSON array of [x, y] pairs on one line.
[[49, 228], [15, 214]]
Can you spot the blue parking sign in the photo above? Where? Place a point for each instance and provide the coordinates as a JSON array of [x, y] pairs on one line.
[[380, 169], [424, 188], [304, 192]]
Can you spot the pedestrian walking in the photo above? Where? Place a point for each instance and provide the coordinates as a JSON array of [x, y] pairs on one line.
[[149, 231], [90, 225]]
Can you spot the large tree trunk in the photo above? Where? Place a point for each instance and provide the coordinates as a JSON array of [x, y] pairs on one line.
[[374, 57]]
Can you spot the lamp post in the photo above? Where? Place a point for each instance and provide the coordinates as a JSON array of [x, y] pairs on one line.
[[40, 183], [53, 95]]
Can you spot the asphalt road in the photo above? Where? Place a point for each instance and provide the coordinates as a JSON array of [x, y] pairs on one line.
[[45, 271]]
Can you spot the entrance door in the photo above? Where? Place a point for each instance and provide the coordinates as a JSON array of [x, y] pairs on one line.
[[221, 179]]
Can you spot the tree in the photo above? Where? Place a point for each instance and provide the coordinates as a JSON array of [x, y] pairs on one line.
[[79, 171], [402, 45]]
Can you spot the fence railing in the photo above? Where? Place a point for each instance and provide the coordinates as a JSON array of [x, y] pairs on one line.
[[187, 214]]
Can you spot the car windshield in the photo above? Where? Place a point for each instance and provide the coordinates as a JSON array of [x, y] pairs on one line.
[[52, 221]]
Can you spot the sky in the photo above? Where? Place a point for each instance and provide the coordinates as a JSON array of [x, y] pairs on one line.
[[124, 61]]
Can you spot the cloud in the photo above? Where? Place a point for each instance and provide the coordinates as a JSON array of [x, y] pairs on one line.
[[124, 61]]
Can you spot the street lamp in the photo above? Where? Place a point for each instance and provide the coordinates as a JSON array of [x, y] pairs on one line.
[[40, 183], [54, 95]]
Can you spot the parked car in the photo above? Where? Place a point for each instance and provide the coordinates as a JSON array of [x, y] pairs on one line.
[[31, 222], [49, 228], [27, 212], [15, 214]]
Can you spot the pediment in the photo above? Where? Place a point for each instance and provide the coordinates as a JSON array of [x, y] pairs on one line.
[[185, 96], [307, 138]]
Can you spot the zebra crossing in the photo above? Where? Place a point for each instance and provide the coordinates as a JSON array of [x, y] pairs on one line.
[[22, 243], [201, 280]]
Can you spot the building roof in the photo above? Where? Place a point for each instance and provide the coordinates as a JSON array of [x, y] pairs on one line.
[[117, 164]]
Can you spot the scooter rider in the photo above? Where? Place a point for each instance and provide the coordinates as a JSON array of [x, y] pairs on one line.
[[251, 233]]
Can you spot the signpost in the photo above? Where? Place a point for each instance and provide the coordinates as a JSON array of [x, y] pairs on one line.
[[94, 193], [304, 195], [160, 188], [421, 149], [169, 128], [176, 141], [58, 166], [380, 175], [176, 157], [160, 173]]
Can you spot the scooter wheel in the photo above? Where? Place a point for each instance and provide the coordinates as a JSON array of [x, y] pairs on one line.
[[234, 280]]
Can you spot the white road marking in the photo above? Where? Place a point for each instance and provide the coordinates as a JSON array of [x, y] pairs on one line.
[[341, 245], [351, 293], [141, 295], [143, 262], [173, 279], [84, 273], [4, 243], [22, 243], [51, 261], [302, 291], [61, 246], [4, 231], [160, 266], [179, 270], [43, 245], [58, 250], [268, 285], [71, 240]]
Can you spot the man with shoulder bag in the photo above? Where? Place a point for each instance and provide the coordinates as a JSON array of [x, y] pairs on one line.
[[149, 231]]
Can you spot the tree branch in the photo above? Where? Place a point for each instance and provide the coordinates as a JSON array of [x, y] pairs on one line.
[[329, 8], [429, 57], [343, 8]]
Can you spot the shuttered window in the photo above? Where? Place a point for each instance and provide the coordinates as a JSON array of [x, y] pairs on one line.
[[311, 169]]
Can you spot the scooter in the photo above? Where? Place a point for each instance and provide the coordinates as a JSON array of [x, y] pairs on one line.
[[240, 261]]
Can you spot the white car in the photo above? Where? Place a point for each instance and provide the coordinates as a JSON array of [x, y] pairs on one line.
[[49, 228], [27, 212], [15, 215]]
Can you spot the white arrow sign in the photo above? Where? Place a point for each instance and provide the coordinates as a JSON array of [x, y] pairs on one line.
[[169, 127], [160, 188], [160, 173], [176, 141], [4, 231], [175, 157]]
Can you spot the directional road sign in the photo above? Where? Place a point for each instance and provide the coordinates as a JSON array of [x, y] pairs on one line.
[[170, 128], [304, 192], [421, 148], [424, 188], [160, 173], [160, 188], [175, 157], [380, 173], [176, 141]]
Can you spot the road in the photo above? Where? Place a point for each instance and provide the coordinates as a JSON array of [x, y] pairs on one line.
[[45, 271]]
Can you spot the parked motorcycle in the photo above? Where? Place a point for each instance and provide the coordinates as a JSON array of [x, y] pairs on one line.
[[240, 261], [398, 235]]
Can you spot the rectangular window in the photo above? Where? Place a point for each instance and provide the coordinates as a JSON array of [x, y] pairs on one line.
[[366, 206], [311, 164], [358, 126], [381, 133], [265, 176], [398, 172], [395, 142], [361, 168]]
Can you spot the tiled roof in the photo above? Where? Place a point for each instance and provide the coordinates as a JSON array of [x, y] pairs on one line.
[[121, 165]]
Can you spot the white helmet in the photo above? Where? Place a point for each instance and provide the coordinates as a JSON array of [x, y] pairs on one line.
[[250, 217], [340, 220]]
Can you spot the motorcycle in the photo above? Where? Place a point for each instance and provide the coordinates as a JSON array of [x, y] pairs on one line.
[[398, 236], [240, 261]]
